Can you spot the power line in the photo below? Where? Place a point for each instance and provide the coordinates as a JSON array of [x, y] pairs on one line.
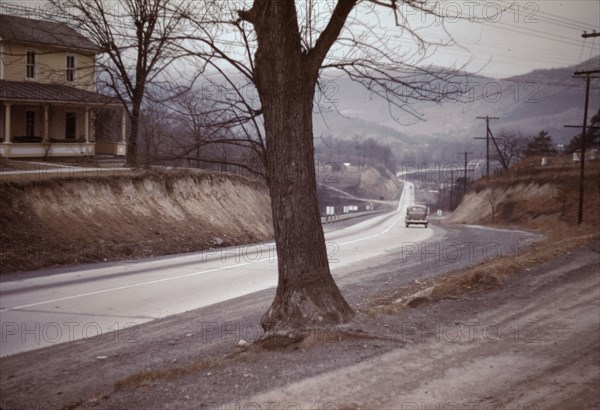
[[576, 23], [539, 34]]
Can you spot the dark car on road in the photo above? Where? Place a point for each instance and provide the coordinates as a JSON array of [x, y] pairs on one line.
[[417, 215]]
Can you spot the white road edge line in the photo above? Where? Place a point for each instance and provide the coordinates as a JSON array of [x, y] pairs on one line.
[[134, 285]]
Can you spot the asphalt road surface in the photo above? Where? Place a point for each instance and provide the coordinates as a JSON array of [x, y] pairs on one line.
[[42, 309]]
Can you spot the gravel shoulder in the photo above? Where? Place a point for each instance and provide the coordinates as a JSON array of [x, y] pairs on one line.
[[533, 342]]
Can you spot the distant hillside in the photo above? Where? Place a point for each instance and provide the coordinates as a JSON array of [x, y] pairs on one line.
[[430, 132]]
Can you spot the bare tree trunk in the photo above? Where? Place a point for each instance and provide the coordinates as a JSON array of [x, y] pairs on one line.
[[306, 292], [132, 143]]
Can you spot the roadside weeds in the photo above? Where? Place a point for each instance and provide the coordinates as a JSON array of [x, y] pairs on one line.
[[486, 275]]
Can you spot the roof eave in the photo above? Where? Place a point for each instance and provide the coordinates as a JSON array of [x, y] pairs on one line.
[[94, 51], [115, 104]]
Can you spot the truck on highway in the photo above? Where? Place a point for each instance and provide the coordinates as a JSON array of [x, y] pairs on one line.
[[417, 215]]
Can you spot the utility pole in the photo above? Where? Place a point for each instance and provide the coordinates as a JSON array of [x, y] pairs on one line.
[[582, 159], [487, 119], [588, 77], [502, 160], [451, 187], [466, 177], [583, 147]]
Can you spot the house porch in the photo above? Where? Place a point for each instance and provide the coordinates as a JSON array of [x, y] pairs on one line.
[[41, 130]]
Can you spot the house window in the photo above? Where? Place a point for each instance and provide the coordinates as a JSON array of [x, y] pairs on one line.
[[31, 60], [70, 69], [70, 125], [30, 123]]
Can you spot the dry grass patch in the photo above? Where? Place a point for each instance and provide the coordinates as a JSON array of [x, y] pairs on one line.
[[486, 275], [149, 378], [493, 273], [392, 301], [73, 406]]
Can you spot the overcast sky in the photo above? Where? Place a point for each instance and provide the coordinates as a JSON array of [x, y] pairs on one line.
[[506, 38]]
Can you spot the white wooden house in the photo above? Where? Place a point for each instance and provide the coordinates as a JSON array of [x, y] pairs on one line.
[[48, 92]]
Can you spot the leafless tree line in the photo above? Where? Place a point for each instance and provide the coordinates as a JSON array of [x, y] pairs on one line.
[[356, 151], [189, 130]]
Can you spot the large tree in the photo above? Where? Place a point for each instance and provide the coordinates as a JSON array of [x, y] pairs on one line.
[[135, 38], [285, 74], [280, 49]]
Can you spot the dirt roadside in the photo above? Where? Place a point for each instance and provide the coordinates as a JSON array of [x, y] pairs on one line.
[[532, 343]]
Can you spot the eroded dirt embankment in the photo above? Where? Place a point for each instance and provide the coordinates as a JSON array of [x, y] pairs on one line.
[[541, 198], [507, 204], [77, 220], [378, 184]]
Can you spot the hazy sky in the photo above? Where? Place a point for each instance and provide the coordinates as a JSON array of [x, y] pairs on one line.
[[505, 38]]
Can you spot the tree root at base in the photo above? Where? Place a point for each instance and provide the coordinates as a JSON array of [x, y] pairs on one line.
[[308, 337]]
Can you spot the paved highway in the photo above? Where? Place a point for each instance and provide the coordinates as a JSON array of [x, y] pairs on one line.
[[87, 303]]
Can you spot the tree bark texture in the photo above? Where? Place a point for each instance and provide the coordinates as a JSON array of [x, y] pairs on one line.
[[307, 295]]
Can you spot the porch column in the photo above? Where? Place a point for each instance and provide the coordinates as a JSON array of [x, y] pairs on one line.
[[7, 130], [123, 125], [46, 123], [87, 124], [93, 125]]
